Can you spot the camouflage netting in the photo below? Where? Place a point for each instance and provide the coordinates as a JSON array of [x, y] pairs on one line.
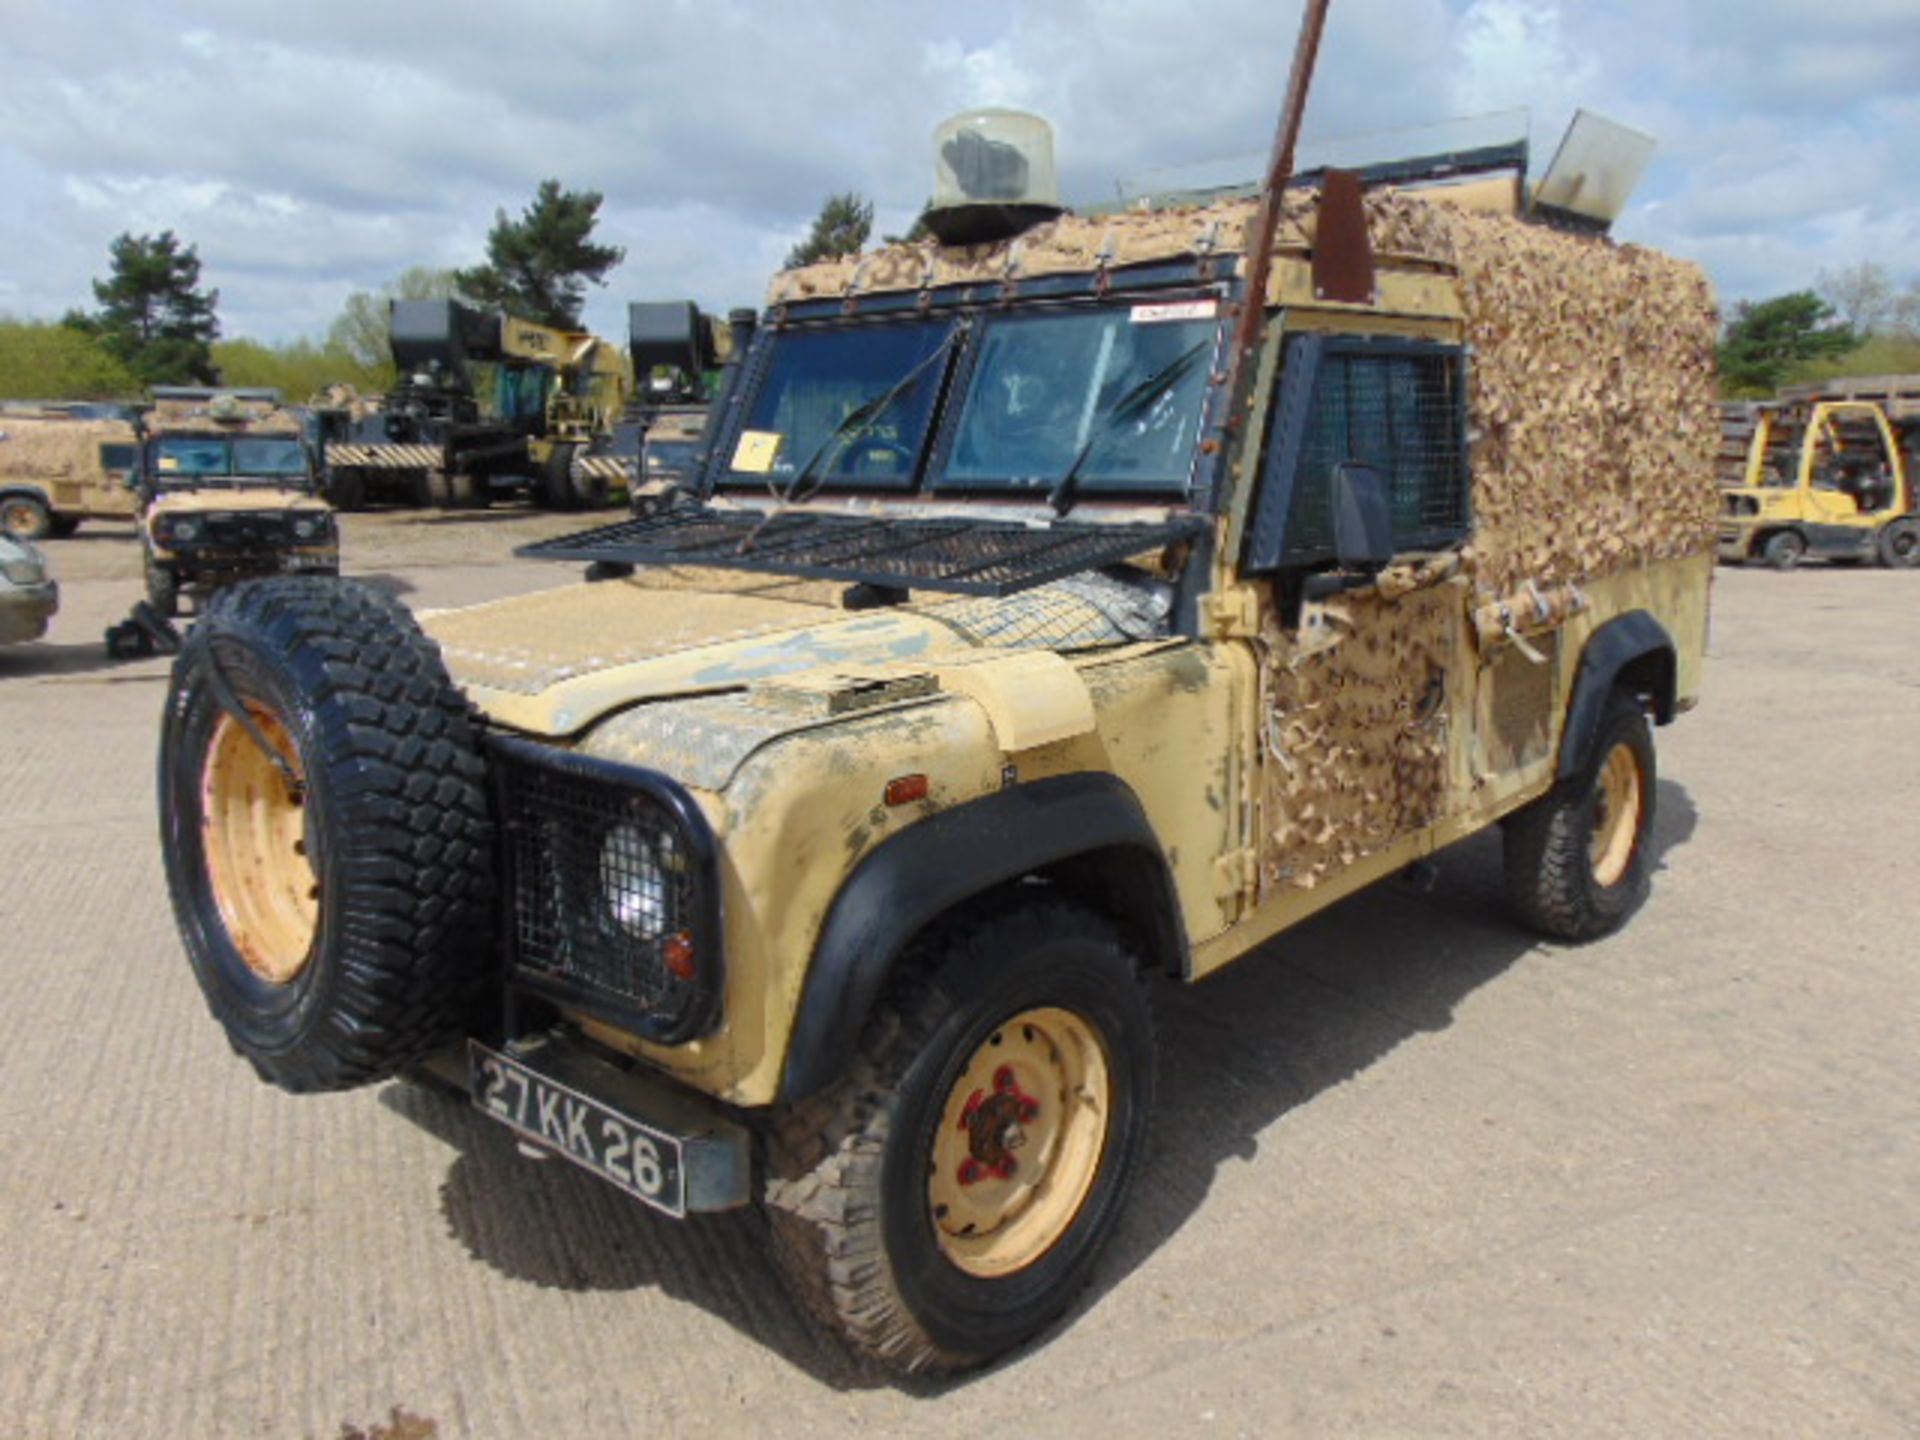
[[1356, 736], [1593, 364], [1594, 419]]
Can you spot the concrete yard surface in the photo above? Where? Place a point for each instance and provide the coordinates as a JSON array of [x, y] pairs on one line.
[[1412, 1172]]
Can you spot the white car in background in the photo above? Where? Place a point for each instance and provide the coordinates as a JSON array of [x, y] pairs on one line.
[[28, 594]]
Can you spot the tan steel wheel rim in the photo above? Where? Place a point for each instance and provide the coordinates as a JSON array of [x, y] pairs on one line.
[[1021, 1139], [254, 833], [1616, 816], [20, 519]]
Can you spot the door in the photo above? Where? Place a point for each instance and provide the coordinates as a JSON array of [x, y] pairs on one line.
[[1363, 689]]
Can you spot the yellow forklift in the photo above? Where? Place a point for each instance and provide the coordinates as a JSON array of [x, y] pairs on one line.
[[1828, 477]]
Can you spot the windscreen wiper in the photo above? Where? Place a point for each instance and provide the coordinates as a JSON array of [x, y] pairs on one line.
[[1129, 405], [863, 415]]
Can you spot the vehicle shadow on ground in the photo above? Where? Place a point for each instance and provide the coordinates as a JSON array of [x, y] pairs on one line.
[[1319, 1005], [43, 661]]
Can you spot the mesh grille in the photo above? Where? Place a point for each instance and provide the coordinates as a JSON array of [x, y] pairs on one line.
[[968, 557], [610, 904], [244, 529], [1400, 413]]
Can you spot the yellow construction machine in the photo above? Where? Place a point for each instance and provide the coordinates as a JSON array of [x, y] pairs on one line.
[[1829, 474]]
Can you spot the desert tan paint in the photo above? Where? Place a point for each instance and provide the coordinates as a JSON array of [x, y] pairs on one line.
[[1418, 717]]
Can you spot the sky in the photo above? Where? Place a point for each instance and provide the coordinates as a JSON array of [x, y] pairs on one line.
[[312, 150]]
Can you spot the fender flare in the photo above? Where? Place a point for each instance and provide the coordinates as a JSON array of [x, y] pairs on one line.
[[1634, 642], [22, 487], [925, 871]]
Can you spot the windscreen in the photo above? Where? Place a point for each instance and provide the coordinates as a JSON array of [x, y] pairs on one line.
[[1114, 395], [210, 457], [277, 456], [848, 408]]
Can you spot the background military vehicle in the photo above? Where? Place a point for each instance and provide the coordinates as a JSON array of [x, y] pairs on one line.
[[1054, 613], [61, 464], [1828, 474], [228, 492], [486, 405]]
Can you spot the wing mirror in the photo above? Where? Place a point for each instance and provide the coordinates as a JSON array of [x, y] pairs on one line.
[[1362, 520]]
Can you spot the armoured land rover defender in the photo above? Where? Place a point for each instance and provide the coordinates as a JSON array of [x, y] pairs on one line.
[[227, 490], [817, 853]]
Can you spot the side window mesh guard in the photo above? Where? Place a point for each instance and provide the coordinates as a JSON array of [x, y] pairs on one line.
[[1397, 405]]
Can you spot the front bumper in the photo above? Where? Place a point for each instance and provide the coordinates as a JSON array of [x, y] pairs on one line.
[[715, 1153], [26, 611], [210, 566]]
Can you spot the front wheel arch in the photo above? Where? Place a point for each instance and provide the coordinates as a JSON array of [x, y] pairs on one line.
[[1084, 833]]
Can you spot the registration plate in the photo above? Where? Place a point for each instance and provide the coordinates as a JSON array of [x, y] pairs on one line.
[[643, 1161]]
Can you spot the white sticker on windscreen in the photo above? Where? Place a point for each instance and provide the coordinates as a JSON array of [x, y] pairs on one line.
[[1175, 310]]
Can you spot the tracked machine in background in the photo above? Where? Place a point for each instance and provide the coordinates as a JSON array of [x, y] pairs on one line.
[[487, 405]]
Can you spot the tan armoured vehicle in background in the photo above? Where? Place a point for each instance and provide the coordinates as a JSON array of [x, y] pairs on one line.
[[1028, 638], [228, 492], [62, 464]]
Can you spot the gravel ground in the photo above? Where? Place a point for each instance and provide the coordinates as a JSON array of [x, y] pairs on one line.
[[1413, 1172]]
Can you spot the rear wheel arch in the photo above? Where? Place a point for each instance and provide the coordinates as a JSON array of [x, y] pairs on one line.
[[1632, 653], [1085, 834]]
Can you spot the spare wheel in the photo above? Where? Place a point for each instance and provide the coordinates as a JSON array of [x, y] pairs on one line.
[[324, 822]]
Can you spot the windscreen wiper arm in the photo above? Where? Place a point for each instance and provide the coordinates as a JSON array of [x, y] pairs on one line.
[[864, 414], [1135, 400]]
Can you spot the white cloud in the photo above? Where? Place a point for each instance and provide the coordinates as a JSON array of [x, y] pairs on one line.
[[308, 150]]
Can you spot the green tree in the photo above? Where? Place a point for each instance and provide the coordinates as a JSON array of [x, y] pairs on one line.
[[1765, 339], [298, 369], [41, 360], [916, 232], [153, 314], [841, 228], [360, 330], [538, 267]]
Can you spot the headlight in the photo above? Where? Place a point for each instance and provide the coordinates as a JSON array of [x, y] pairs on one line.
[[633, 880], [23, 572], [615, 905], [180, 527], [307, 527]]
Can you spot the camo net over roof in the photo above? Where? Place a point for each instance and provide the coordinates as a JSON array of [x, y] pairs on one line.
[[1593, 408], [1594, 422]]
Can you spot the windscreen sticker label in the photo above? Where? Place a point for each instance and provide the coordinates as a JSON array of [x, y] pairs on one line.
[[1175, 310], [756, 452], [169, 462]]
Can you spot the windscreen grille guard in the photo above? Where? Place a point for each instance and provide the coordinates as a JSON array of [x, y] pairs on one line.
[[955, 555]]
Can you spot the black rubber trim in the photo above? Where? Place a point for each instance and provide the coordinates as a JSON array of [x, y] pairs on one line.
[[925, 871], [1614, 646]]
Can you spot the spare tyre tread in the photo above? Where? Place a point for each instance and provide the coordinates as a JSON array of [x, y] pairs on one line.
[[405, 957]]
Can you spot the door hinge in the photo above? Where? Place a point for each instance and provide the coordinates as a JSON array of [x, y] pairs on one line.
[[1232, 613]]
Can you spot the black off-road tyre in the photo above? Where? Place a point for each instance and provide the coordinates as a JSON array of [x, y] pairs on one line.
[[25, 517], [163, 587], [849, 1171], [392, 817], [347, 489], [1898, 544], [1550, 866], [558, 488], [1784, 549]]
